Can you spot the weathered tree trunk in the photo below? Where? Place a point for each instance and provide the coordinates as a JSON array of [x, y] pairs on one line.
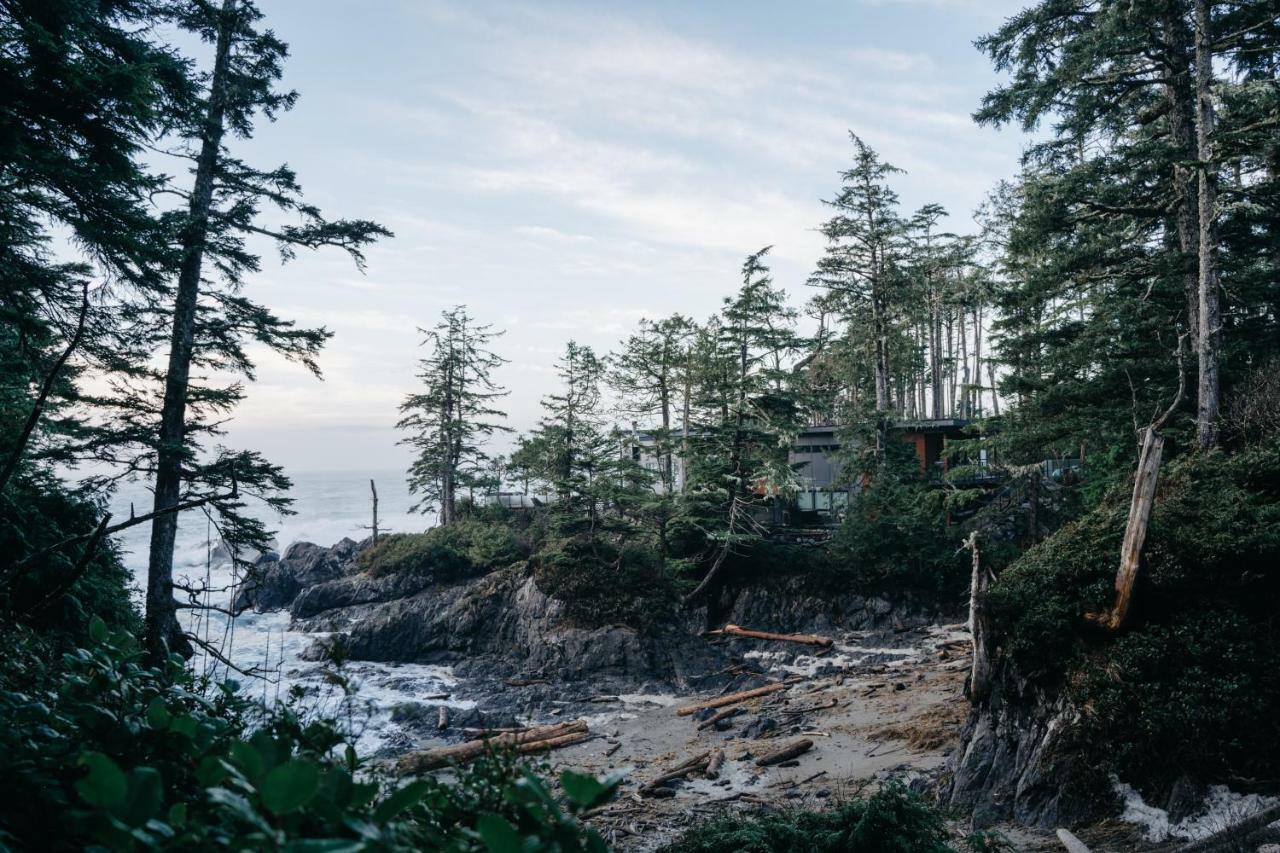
[[1135, 532], [1209, 339], [162, 633], [803, 639], [553, 735], [995, 392], [980, 628], [1182, 132]]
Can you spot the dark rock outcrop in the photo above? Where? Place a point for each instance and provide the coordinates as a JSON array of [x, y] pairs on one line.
[[501, 625], [788, 606], [274, 582], [1016, 763]]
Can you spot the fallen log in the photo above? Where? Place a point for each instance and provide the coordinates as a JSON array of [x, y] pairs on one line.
[[418, 762], [786, 753], [717, 717], [805, 639], [714, 764], [472, 734], [796, 712], [442, 718], [698, 762], [553, 742], [731, 699], [525, 682], [1073, 844]]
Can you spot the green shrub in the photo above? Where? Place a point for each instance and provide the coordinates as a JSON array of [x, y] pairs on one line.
[[892, 820], [109, 753], [602, 583], [38, 514], [895, 539], [467, 547]]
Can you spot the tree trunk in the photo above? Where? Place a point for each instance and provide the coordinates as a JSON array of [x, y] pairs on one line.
[[373, 489], [1135, 532], [965, 390], [977, 355], [980, 628], [935, 354], [1209, 339], [1183, 137], [995, 393], [162, 633]]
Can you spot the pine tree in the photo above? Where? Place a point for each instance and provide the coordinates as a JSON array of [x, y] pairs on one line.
[[454, 416], [863, 259], [579, 451], [211, 319]]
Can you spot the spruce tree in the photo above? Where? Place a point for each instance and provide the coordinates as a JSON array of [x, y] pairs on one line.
[[452, 418], [863, 260], [211, 319]]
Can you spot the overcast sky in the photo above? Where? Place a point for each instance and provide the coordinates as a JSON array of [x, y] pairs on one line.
[[565, 169]]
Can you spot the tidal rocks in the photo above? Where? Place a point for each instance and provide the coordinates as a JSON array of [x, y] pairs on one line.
[[1015, 761], [274, 582], [500, 625]]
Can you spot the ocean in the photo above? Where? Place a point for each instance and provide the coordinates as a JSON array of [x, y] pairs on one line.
[[327, 507]]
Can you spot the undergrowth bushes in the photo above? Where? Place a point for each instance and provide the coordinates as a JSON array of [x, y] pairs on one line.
[[470, 546], [1192, 686], [892, 820], [98, 750], [602, 582]]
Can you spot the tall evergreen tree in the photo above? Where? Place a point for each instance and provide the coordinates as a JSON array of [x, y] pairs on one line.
[[454, 415], [211, 319], [863, 257]]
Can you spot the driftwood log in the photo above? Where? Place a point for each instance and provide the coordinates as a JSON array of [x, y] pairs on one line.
[[543, 736], [714, 764], [1238, 836], [552, 742], [718, 716], [786, 753], [805, 639], [442, 718], [731, 699], [698, 762]]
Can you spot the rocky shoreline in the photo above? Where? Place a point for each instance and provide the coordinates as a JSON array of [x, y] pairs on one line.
[[895, 673], [501, 627]]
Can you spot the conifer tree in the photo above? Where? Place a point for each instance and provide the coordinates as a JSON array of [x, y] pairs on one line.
[[579, 451], [211, 319], [863, 258], [452, 418]]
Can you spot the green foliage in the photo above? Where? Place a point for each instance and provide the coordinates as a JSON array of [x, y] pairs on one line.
[[894, 537], [111, 753], [40, 585], [1193, 685], [892, 820], [603, 583], [467, 547]]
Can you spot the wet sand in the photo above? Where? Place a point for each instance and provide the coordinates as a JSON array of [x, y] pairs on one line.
[[875, 706]]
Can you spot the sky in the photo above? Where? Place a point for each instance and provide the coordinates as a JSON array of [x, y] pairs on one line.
[[566, 169]]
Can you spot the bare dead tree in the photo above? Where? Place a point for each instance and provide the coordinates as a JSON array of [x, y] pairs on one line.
[[1144, 492]]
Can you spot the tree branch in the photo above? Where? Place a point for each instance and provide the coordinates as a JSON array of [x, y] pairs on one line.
[[47, 386]]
